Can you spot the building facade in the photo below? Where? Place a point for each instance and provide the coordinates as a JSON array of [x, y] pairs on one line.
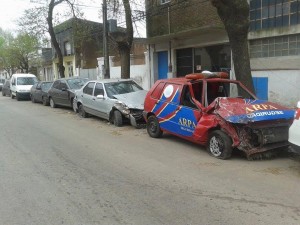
[[187, 36], [81, 43]]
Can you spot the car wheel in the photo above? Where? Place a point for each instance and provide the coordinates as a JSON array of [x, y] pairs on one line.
[[32, 99], [153, 127], [219, 145], [45, 101], [11, 95], [52, 103], [74, 106], [82, 113], [3, 94], [17, 96], [118, 120]]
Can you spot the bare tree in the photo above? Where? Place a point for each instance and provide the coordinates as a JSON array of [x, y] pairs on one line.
[[40, 22], [124, 40], [235, 17]]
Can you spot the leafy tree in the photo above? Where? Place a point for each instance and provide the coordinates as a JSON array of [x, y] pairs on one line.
[[235, 17], [8, 61], [15, 53]]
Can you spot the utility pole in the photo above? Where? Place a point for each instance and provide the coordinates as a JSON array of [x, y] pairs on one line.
[[105, 42]]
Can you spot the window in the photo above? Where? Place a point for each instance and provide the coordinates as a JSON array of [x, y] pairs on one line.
[[276, 46], [98, 89], [63, 85], [56, 84], [67, 48], [88, 89], [164, 1], [270, 13]]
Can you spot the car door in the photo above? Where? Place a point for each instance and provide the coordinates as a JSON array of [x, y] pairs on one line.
[[63, 94], [102, 104], [87, 96], [54, 91], [188, 114]]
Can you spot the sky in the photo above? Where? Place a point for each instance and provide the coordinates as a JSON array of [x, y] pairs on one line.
[[12, 10]]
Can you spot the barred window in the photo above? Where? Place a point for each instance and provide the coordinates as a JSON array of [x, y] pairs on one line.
[[275, 46], [273, 13]]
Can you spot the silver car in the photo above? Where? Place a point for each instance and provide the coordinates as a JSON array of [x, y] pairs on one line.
[[114, 100]]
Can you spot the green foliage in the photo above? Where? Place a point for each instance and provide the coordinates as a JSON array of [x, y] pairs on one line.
[[15, 53]]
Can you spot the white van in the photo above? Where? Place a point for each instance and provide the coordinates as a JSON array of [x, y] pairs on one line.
[[20, 85]]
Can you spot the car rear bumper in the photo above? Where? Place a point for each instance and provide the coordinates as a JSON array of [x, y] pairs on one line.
[[24, 95]]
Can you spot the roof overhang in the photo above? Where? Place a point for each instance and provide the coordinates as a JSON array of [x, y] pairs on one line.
[[211, 30]]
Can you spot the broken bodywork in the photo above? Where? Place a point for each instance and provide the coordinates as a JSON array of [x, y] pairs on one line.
[[259, 125], [131, 106]]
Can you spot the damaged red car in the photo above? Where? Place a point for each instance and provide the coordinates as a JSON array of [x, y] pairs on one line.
[[222, 114]]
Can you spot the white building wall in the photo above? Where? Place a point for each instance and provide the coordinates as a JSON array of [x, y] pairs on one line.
[[139, 73], [283, 85]]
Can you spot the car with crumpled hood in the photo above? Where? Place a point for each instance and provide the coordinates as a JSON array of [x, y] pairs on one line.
[[117, 101], [222, 114]]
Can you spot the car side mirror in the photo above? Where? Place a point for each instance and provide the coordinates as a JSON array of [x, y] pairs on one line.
[[100, 97], [63, 89]]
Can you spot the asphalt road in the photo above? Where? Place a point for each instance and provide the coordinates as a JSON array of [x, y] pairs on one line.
[[57, 168]]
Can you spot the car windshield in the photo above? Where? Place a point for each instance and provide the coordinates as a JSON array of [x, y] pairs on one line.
[[226, 89], [26, 80], [46, 86], [76, 83], [121, 87]]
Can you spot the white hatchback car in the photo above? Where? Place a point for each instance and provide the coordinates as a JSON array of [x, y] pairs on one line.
[[294, 131]]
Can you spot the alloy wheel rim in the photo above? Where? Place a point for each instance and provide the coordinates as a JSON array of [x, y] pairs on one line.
[[215, 147]]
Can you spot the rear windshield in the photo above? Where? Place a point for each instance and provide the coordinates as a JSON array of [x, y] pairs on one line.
[[76, 83], [46, 86], [26, 80]]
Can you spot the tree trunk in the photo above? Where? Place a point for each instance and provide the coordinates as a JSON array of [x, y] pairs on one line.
[[124, 51], [61, 67], [235, 17], [124, 41]]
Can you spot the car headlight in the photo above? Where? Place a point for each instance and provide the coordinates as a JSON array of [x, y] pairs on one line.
[[122, 107]]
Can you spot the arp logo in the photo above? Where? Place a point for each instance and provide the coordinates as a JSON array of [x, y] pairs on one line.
[[258, 107]]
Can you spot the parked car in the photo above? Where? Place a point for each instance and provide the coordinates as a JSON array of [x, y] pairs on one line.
[[20, 85], [6, 88], [39, 92], [113, 100], [62, 91], [1, 83], [294, 131], [211, 111]]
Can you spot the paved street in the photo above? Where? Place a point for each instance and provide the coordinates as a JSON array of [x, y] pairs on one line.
[[57, 168]]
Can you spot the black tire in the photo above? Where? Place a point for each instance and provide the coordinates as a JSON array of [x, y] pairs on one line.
[[82, 113], [153, 127], [17, 96], [118, 120], [45, 101], [219, 145], [3, 94], [52, 103], [32, 99]]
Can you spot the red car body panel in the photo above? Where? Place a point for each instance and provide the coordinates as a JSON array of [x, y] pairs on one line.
[[253, 125]]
